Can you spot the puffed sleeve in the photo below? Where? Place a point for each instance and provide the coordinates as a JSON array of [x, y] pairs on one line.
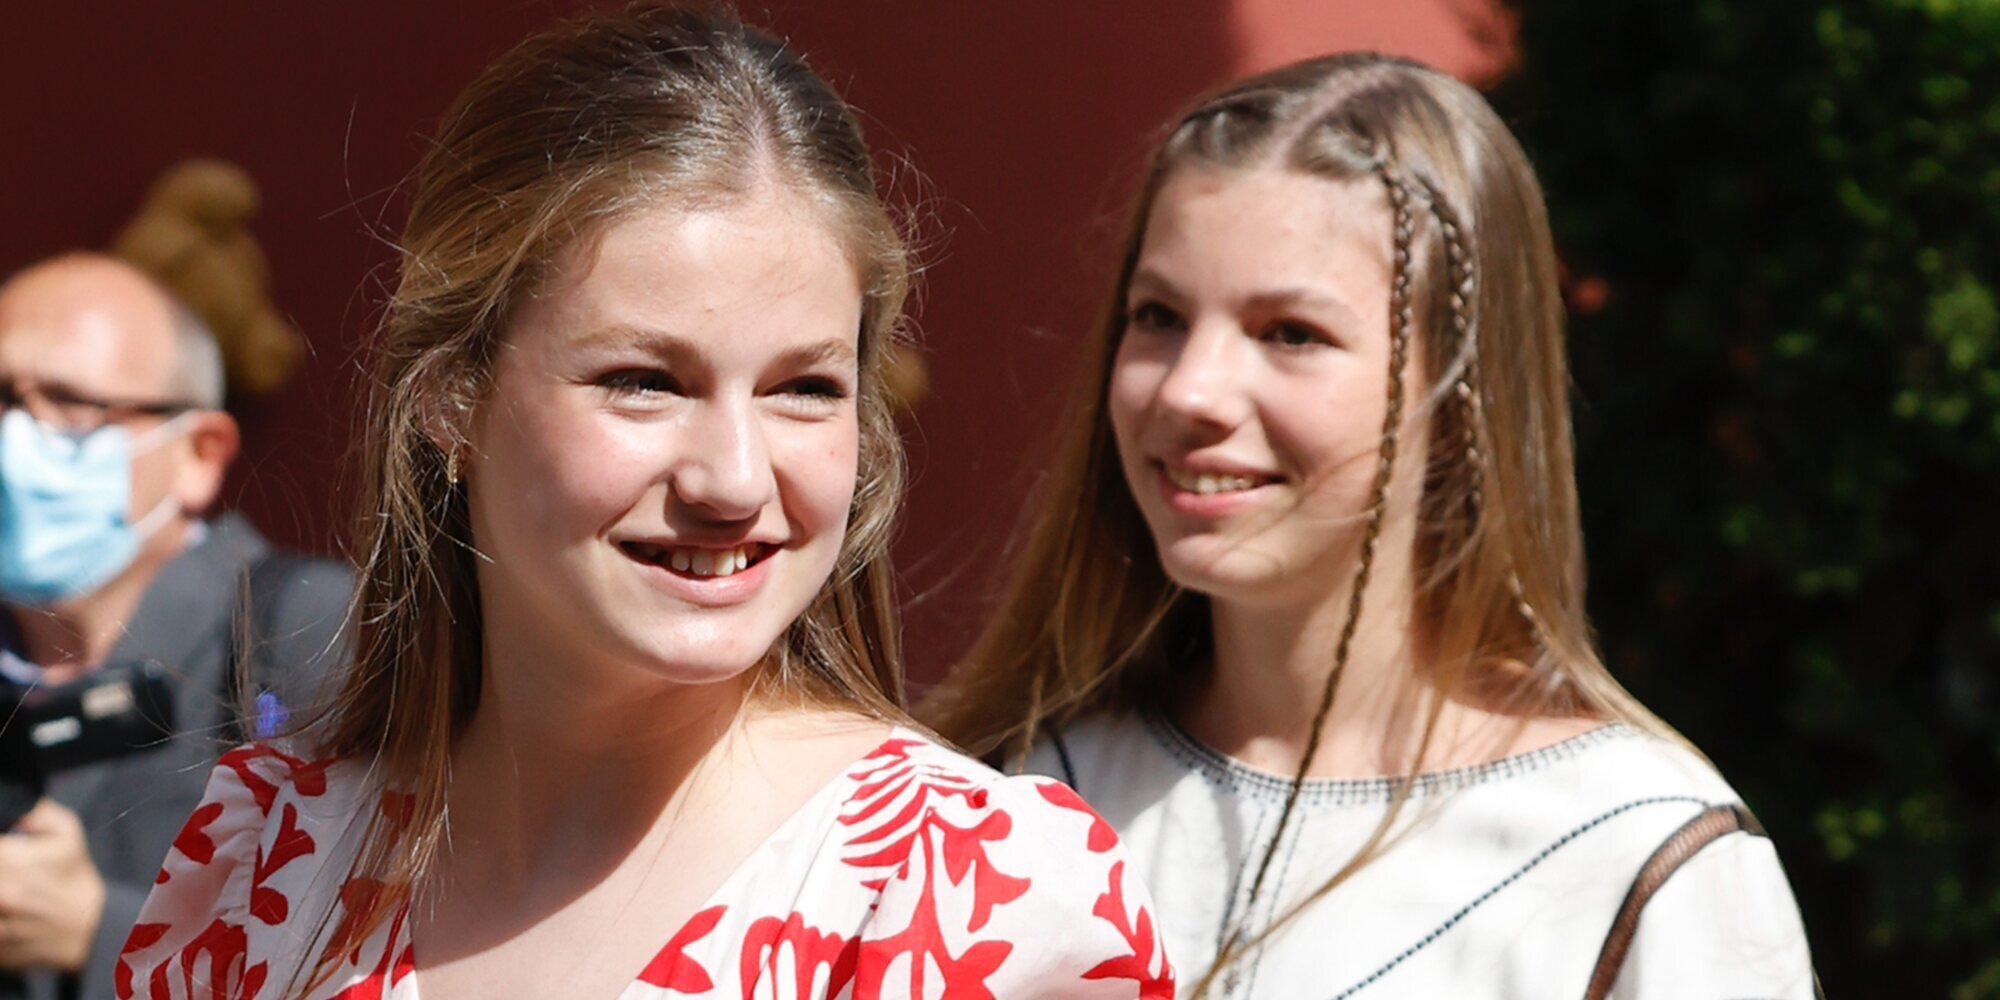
[[1723, 925], [1016, 889], [192, 937]]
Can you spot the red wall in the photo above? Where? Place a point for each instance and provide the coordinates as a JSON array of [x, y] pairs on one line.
[[322, 103], [1024, 122]]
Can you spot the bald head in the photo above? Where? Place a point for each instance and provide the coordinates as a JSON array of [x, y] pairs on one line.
[[100, 328]]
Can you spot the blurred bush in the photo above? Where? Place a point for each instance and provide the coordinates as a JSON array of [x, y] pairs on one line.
[[1781, 226]]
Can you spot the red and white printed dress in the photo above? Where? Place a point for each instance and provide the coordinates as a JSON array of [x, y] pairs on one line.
[[917, 873]]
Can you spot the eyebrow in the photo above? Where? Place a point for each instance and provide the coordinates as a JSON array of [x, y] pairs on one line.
[[674, 348], [1152, 280], [830, 351], [1278, 298], [1268, 299], [619, 335], [54, 387]]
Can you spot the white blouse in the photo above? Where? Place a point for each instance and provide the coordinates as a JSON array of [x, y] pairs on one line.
[[1501, 880]]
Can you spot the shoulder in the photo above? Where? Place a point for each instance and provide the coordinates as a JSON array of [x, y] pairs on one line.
[[1101, 751], [941, 784], [298, 629], [1657, 764], [1010, 883], [254, 790], [1631, 789], [278, 576], [292, 584], [1724, 923], [262, 829]]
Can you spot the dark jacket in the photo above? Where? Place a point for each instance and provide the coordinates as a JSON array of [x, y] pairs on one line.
[[192, 621]]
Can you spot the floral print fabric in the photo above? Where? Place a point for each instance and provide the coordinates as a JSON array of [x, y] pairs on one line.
[[917, 873]]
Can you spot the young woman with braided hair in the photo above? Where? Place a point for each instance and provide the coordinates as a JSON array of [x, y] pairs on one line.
[[1318, 651]]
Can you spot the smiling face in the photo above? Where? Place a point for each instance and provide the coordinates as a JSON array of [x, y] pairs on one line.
[[661, 472], [1248, 391]]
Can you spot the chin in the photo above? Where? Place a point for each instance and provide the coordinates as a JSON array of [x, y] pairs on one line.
[[1220, 569], [706, 655]]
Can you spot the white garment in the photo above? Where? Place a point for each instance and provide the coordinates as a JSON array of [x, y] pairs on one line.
[[1503, 884]]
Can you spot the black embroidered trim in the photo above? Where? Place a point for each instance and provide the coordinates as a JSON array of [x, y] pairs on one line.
[[1244, 780], [1544, 855]]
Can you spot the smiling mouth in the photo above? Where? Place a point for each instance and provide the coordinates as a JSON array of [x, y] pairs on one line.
[[699, 562], [1209, 484]]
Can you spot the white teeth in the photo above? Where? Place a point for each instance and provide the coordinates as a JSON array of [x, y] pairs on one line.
[[709, 562], [1205, 483]]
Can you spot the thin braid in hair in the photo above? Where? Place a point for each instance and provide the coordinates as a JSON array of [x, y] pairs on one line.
[[1402, 320], [1464, 291], [1464, 296]]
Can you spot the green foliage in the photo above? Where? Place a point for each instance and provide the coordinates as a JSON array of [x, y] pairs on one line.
[[1789, 428]]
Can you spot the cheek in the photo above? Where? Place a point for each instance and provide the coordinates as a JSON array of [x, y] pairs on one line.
[[1135, 381], [577, 470], [152, 479], [1328, 428], [817, 465], [154, 469]]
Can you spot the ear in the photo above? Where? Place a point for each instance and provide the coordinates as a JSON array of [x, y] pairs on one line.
[[445, 425], [212, 443]]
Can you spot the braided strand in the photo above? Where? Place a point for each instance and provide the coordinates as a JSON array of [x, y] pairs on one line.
[[1464, 284], [1464, 295], [1402, 321]]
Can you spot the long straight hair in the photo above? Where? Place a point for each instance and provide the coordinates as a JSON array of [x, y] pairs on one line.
[[1089, 620], [563, 135]]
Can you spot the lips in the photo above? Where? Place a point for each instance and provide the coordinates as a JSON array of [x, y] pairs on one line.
[[1208, 476], [1209, 483], [1210, 491], [700, 562], [705, 576]]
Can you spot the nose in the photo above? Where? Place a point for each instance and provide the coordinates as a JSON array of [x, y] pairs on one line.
[[726, 471], [1203, 387]]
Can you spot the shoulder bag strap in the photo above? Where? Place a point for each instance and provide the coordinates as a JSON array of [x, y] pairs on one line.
[[1705, 828]]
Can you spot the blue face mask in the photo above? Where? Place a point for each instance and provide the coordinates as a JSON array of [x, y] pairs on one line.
[[64, 499]]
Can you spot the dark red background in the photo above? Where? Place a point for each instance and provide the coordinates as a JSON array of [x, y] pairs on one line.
[[1021, 124]]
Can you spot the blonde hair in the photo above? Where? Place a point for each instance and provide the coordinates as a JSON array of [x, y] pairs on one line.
[[1089, 619], [561, 136]]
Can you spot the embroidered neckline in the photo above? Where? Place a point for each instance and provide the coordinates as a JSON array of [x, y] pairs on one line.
[[1242, 779]]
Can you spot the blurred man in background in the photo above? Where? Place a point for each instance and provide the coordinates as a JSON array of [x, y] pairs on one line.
[[132, 629]]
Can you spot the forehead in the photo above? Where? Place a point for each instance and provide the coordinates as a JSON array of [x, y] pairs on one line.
[[1238, 232], [768, 267], [87, 329]]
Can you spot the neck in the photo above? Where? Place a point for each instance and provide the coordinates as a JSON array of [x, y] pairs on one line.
[[71, 637], [1272, 661], [564, 762]]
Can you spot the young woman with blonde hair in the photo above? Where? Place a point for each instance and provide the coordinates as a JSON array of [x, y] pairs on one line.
[[1317, 648], [625, 717]]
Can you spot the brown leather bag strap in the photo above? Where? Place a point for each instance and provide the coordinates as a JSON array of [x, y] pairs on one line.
[[1705, 828]]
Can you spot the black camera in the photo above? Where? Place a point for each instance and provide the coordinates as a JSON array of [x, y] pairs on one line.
[[112, 711]]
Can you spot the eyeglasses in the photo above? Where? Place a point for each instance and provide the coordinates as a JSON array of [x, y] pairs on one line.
[[75, 413]]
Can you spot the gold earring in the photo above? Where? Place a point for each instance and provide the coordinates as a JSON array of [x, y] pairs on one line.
[[451, 467]]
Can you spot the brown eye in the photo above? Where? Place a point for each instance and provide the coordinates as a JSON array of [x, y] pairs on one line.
[[638, 382], [817, 386], [1294, 334], [1152, 316], [814, 390]]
